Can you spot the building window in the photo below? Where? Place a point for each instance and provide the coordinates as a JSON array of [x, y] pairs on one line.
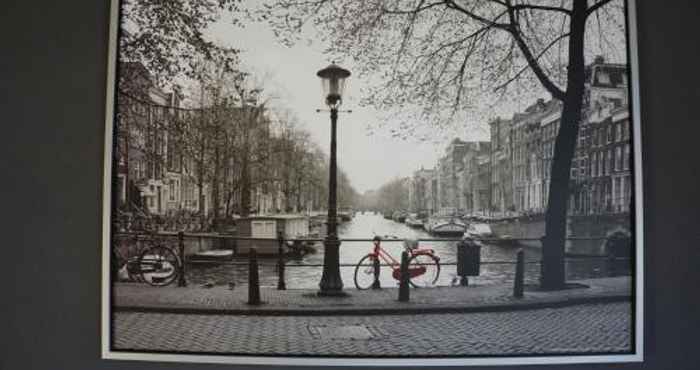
[[618, 132], [618, 158], [610, 134], [595, 136], [608, 161], [626, 158], [594, 164]]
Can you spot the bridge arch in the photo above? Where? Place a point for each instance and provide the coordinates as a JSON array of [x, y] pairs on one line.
[[618, 242]]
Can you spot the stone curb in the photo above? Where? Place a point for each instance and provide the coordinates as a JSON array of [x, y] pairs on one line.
[[359, 311]]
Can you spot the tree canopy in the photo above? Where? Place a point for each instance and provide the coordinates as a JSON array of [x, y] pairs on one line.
[[167, 36], [432, 61]]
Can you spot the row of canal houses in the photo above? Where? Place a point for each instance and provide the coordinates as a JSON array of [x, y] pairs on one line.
[[153, 173], [509, 174]]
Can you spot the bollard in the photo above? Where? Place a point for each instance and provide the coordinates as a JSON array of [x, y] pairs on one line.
[[403, 284], [376, 284], [181, 282], [281, 285], [461, 263], [518, 285], [253, 280]]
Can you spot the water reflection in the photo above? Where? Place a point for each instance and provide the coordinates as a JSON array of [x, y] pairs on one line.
[[366, 226]]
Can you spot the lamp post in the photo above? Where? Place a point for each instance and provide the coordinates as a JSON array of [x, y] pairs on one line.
[[333, 81]]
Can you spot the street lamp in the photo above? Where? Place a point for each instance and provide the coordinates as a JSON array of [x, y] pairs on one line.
[[333, 81]]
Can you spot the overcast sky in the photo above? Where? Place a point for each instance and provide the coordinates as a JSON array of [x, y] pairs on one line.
[[370, 157]]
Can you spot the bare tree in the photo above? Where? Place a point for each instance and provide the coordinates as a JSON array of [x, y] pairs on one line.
[[443, 56], [168, 36]]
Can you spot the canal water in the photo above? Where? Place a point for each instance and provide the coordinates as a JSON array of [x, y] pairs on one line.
[[497, 261]]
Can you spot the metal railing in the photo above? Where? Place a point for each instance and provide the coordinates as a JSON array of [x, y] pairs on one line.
[[252, 259]]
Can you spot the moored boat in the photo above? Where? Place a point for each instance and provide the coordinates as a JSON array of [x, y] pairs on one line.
[[446, 223], [413, 221], [447, 227], [478, 230], [399, 216], [211, 256]]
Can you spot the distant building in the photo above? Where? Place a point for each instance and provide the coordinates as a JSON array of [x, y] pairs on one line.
[[501, 166], [431, 191], [419, 190], [475, 186], [510, 174], [529, 159], [600, 175], [152, 172], [449, 167], [604, 183]]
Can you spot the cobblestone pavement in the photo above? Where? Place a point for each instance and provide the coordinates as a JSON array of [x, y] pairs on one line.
[[584, 329]]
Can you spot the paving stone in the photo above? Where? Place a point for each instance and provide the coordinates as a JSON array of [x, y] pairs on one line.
[[584, 329]]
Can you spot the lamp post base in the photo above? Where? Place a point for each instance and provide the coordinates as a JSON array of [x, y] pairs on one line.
[[331, 283], [332, 293]]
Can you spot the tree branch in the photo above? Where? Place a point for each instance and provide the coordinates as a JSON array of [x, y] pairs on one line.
[[418, 9], [526, 67], [532, 61], [452, 5], [541, 7], [596, 6]]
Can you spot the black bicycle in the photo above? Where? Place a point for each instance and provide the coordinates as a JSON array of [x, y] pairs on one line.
[[144, 258]]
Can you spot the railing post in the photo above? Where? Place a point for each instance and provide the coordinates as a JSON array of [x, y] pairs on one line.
[[518, 285], [253, 279], [181, 282], [403, 284], [376, 265], [281, 285]]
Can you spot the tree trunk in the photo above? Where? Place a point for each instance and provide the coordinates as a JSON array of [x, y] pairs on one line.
[[245, 185], [215, 191], [553, 244], [200, 190]]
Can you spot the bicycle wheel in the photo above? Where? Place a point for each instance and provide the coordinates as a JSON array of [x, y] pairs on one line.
[[364, 272], [158, 265], [427, 278]]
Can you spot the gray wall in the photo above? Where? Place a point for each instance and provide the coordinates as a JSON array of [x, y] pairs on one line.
[[52, 73]]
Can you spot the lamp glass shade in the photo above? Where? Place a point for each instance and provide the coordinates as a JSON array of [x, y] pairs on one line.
[[333, 83]]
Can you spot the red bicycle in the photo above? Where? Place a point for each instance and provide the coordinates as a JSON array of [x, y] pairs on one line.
[[423, 265]]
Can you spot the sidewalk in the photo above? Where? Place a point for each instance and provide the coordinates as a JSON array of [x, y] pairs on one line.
[[131, 297]]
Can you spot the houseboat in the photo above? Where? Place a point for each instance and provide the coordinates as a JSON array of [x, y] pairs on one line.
[[263, 232]]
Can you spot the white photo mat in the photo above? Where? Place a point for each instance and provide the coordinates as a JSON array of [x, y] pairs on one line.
[[638, 279]]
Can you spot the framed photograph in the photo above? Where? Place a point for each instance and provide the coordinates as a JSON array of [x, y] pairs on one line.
[[373, 183]]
